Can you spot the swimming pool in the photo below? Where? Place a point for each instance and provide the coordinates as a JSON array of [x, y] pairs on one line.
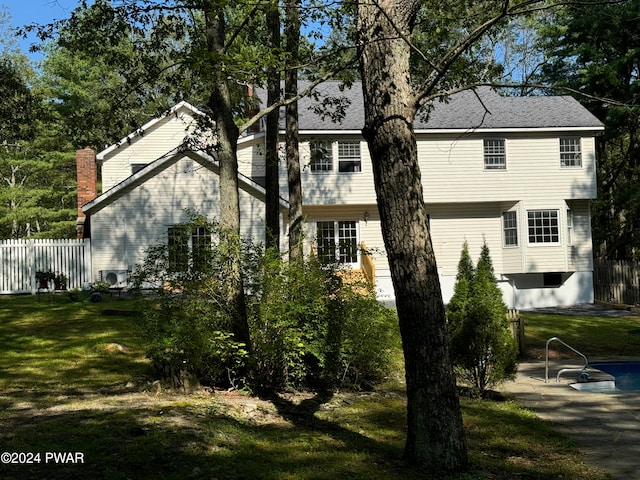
[[626, 374], [626, 377]]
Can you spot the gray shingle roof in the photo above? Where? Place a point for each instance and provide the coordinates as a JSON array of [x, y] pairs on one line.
[[463, 110]]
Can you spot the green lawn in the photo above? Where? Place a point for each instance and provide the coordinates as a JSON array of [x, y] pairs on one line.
[[73, 379], [593, 336]]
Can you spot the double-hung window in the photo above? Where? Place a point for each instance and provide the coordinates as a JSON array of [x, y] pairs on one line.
[[349, 156], [570, 152], [495, 155], [322, 154], [337, 241], [569, 227], [188, 247], [510, 228], [543, 226]]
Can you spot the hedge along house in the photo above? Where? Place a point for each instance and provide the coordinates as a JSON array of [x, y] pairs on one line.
[[516, 172]]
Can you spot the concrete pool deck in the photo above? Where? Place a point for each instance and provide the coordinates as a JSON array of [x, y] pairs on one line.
[[606, 426]]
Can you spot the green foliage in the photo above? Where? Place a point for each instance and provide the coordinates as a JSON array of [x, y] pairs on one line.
[[593, 49], [37, 193], [309, 327], [483, 350]]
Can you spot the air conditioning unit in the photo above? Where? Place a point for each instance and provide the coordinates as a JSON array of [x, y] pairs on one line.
[[115, 278]]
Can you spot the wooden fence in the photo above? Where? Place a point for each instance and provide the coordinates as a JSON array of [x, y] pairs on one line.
[[616, 281], [21, 259]]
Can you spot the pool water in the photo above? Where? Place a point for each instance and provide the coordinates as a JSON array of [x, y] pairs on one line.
[[627, 375]]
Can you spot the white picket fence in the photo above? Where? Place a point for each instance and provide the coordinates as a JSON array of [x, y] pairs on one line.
[[21, 259]]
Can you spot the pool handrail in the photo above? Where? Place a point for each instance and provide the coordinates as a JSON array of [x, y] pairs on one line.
[[546, 361]]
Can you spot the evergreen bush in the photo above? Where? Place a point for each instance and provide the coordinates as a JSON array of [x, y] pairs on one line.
[[483, 350]]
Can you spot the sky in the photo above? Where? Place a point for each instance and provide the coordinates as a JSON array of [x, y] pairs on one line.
[[24, 12]]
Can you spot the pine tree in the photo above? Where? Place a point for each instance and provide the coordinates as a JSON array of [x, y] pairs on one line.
[[458, 305], [483, 350]]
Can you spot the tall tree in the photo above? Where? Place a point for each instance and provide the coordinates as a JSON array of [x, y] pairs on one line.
[[272, 184], [292, 35], [434, 437], [594, 50], [392, 100], [220, 107]]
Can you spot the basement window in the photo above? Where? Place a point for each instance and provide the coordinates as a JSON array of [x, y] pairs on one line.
[[551, 279]]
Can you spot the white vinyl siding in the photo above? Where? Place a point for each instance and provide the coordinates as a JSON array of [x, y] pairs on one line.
[[153, 144], [453, 170], [124, 229], [452, 225]]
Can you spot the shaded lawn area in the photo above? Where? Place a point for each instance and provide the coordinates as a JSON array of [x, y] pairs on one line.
[[593, 336], [64, 387]]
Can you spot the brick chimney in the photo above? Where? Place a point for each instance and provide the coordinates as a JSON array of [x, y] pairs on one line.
[[87, 172]]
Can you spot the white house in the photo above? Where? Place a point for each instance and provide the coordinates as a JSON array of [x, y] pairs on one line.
[[516, 172]]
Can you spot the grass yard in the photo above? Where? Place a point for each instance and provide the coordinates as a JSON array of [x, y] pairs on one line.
[[73, 379], [593, 336]]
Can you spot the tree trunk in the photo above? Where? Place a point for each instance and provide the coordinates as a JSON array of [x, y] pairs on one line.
[[435, 437], [272, 184], [292, 32], [225, 151]]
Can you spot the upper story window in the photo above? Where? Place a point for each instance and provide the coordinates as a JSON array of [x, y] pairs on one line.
[[321, 156], [570, 152], [510, 228], [349, 156], [323, 152], [337, 241], [543, 226], [495, 156]]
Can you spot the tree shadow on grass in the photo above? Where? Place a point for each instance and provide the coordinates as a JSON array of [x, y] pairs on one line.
[[180, 439]]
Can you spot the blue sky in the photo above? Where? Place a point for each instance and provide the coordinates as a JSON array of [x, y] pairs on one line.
[[36, 11]]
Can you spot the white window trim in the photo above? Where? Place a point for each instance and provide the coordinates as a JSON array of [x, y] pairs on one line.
[[558, 227], [570, 227], [335, 157], [560, 152], [505, 228], [354, 265], [484, 155]]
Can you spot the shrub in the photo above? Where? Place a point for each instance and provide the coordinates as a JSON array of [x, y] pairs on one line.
[[308, 327], [312, 329], [483, 351]]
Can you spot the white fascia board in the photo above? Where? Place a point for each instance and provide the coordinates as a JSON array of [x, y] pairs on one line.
[[459, 131], [147, 126], [326, 132], [250, 138]]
